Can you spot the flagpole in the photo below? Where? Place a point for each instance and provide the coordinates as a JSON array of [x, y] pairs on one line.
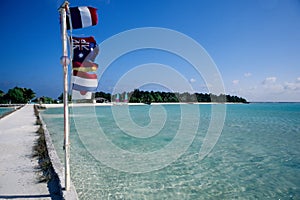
[[65, 62]]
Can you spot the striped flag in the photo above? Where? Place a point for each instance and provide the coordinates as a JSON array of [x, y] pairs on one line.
[[82, 17], [83, 81], [86, 66], [77, 95]]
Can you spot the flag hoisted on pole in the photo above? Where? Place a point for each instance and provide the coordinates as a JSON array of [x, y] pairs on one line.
[[84, 78], [65, 61]]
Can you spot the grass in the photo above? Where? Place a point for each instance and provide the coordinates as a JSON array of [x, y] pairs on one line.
[[40, 151]]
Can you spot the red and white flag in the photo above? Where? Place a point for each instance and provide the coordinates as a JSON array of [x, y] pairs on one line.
[[84, 78], [83, 85], [83, 81], [86, 66], [77, 95], [82, 17]]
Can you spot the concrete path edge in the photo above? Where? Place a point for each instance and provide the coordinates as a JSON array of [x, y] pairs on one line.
[[57, 165]]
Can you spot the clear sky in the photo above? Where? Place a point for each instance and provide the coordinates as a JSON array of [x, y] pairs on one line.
[[254, 43]]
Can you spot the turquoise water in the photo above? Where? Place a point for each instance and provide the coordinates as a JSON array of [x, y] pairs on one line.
[[4, 110], [257, 156]]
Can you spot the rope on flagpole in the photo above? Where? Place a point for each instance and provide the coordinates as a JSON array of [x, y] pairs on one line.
[[71, 34], [70, 40]]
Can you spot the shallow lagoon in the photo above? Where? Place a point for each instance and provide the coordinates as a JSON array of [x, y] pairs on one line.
[[4, 110], [257, 155]]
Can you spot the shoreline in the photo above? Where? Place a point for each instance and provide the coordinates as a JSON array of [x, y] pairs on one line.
[[56, 163], [133, 104], [11, 111], [10, 105]]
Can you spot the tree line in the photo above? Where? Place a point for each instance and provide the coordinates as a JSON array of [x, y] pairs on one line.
[[19, 95], [25, 95], [16, 95], [138, 96]]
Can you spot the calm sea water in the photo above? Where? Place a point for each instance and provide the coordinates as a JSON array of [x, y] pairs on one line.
[[4, 110], [257, 156]]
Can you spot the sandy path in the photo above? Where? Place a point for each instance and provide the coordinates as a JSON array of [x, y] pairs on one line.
[[18, 176]]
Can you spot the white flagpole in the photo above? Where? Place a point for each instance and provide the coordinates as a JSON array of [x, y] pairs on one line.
[[65, 61]]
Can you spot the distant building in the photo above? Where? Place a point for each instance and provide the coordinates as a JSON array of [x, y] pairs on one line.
[[101, 100]]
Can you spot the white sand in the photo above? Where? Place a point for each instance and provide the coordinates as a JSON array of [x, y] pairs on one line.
[[18, 173]]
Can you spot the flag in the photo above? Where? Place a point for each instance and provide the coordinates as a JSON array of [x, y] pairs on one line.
[[82, 17], [83, 81], [86, 66], [126, 98], [82, 47], [118, 98], [77, 95]]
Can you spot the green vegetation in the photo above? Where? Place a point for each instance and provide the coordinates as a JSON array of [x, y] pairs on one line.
[[44, 99], [24, 95], [17, 95], [40, 150], [138, 96], [104, 95]]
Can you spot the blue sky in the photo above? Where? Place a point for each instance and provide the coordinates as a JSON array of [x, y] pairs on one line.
[[254, 43]]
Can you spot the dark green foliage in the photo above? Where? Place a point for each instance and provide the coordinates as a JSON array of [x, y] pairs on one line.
[[28, 94], [104, 95], [43, 99], [23, 95], [17, 95], [138, 96], [235, 99]]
